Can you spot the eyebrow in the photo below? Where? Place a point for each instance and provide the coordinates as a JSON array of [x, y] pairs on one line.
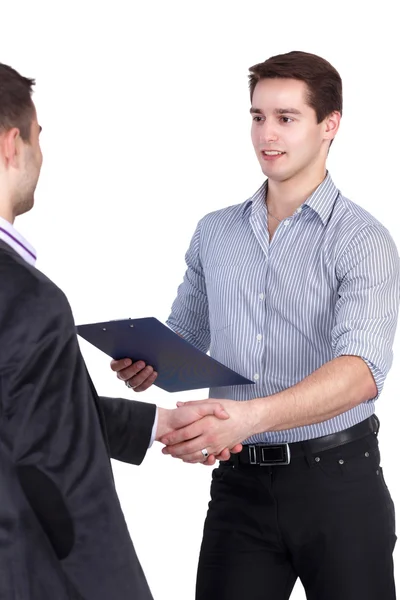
[[277, 111]]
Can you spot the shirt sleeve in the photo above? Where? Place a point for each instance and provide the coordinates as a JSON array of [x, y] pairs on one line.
[[154, 429], [368, 301], [189, 316]]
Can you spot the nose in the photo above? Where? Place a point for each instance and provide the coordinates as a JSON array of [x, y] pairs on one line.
[[267, 132]]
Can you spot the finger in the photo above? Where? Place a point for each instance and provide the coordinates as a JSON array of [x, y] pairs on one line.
[[224, 455], [146, 384], [211, 460], [184, 434], [140, 377], [119, 365], [131, 371], [236, 449], [193, 461], [198, 457], [192, 446]]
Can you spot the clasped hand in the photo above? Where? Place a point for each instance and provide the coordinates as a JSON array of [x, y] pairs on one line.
[[218, 426]]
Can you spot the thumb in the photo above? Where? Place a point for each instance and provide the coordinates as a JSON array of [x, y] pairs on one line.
[[220, 412], [211, 408], [194, 402], [190, 403]]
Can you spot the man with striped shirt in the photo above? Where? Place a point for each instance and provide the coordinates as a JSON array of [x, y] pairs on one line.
[[298, 289]]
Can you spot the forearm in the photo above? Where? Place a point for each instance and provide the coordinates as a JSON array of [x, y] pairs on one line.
[[334, 388]]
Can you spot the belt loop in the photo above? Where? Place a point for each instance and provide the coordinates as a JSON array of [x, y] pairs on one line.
[[252, 455], [377, 424], [373, 441]]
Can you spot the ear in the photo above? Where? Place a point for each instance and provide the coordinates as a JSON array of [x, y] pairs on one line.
[[10, 143], [331, 125]]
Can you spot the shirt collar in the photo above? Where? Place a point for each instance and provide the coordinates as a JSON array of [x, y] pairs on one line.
[[10, 236], [257, 201], [321, 200]]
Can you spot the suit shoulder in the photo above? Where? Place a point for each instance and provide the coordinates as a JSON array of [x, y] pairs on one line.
[[24, 287]]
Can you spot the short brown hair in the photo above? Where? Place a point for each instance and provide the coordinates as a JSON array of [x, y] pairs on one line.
[[16, 106], [323, 81]]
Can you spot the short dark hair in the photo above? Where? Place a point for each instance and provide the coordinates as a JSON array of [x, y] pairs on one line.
[[323, 81], [16, 106]]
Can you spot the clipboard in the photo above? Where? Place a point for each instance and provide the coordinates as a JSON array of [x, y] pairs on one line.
[[180, 366]]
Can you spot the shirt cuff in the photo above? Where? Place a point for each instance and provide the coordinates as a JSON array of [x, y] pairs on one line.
[[154, 430], [378, 377]]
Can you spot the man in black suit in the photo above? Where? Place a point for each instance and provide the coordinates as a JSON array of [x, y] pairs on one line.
[[62, 532]]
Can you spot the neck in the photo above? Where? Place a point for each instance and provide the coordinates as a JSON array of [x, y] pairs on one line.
[[283, 197], [6, 204], [7, 214]]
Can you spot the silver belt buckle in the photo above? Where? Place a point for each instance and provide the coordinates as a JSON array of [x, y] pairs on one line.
[[270, 455]]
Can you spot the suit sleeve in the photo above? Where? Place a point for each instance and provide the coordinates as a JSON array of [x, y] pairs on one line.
[[59, 450], [128, 424]]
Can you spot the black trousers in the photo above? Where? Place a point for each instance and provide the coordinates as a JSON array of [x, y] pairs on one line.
[[328, 521]]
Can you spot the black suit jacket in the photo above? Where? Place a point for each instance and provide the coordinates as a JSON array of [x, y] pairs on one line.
[[62, 531]]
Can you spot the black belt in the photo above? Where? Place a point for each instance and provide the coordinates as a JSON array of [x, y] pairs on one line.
[[281, 454]]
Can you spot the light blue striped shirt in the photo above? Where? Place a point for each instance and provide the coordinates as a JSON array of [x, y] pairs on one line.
[[327, 285]]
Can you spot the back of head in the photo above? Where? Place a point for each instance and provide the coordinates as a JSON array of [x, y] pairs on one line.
[[20, 153], [16, 106], [323, 82]]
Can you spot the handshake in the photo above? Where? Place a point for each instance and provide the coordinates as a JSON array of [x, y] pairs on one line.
[[201, 431]]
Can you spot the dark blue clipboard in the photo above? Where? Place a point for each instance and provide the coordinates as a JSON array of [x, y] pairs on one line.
[[180, 366]]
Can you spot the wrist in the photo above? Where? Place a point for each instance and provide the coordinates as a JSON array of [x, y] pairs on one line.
[[248, 417], [163, 424], [259, 411]]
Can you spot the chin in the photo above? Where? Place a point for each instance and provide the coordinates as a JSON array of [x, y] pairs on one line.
[[275, 175], [24, 206]]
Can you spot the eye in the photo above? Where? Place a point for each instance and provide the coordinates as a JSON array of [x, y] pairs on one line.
[[257, 119], [286, 119]]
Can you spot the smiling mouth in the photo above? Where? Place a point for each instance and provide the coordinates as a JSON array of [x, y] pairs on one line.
[[271, 152]]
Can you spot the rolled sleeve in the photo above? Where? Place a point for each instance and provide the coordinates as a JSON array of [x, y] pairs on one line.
[[369, 295], [189, 316]]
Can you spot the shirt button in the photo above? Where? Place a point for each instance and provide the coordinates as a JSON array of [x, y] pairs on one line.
[[256, 376], [298, 210], [286, 223], [259, 337], [261, 296]]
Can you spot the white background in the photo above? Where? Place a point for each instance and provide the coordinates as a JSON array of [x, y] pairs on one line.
[[144, 107]]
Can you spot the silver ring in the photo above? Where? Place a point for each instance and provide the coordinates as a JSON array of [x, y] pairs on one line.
[[205, 453], [128, 385]]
